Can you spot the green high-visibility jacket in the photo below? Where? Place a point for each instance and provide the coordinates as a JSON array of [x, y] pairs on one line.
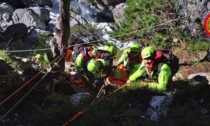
[[45, 59], [132, 68], [162, 78], [104, 70], [79, 62], [124, 56]]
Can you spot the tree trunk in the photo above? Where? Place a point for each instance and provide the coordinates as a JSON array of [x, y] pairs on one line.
[[64, 13]]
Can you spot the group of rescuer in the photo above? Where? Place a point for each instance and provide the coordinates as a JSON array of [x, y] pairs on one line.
[[96, 64]]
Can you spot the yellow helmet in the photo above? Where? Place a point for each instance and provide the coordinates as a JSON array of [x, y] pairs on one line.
[[92, 66], [148, 52]]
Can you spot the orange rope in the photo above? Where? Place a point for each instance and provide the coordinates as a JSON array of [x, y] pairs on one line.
[[74, 117], [5, 100]]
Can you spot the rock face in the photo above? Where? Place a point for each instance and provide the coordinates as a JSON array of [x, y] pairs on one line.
[[95, 13], [194, 13]]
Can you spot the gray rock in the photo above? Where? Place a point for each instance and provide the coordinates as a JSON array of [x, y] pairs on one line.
[[199, 78], [193, 13], [29, 18], [159, 106], [42, 12], [95, 13], [78, 98], [118, 12]]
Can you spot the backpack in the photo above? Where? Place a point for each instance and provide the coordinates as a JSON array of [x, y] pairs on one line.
[[170, 59], [103, 54], [81, 48]]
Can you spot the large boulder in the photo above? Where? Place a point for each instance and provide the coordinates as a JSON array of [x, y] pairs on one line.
[[15, 32], [29, 18]]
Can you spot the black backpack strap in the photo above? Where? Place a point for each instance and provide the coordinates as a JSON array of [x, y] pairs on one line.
[[159, 67]]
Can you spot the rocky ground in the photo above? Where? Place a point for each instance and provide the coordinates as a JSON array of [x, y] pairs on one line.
[[189, 66]]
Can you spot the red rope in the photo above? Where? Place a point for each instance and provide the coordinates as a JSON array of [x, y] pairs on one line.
[[5, 100], [74, 117]]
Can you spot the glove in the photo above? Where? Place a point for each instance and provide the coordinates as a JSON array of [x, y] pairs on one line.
[[144, 83], [73, 73], [49, 69], [120, 66], [128, 82]]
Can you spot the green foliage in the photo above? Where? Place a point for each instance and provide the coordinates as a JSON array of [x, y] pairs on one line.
[[149, 21], [160, 40], [140, 17], [195, 46], [5, 56], [187, 105]]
